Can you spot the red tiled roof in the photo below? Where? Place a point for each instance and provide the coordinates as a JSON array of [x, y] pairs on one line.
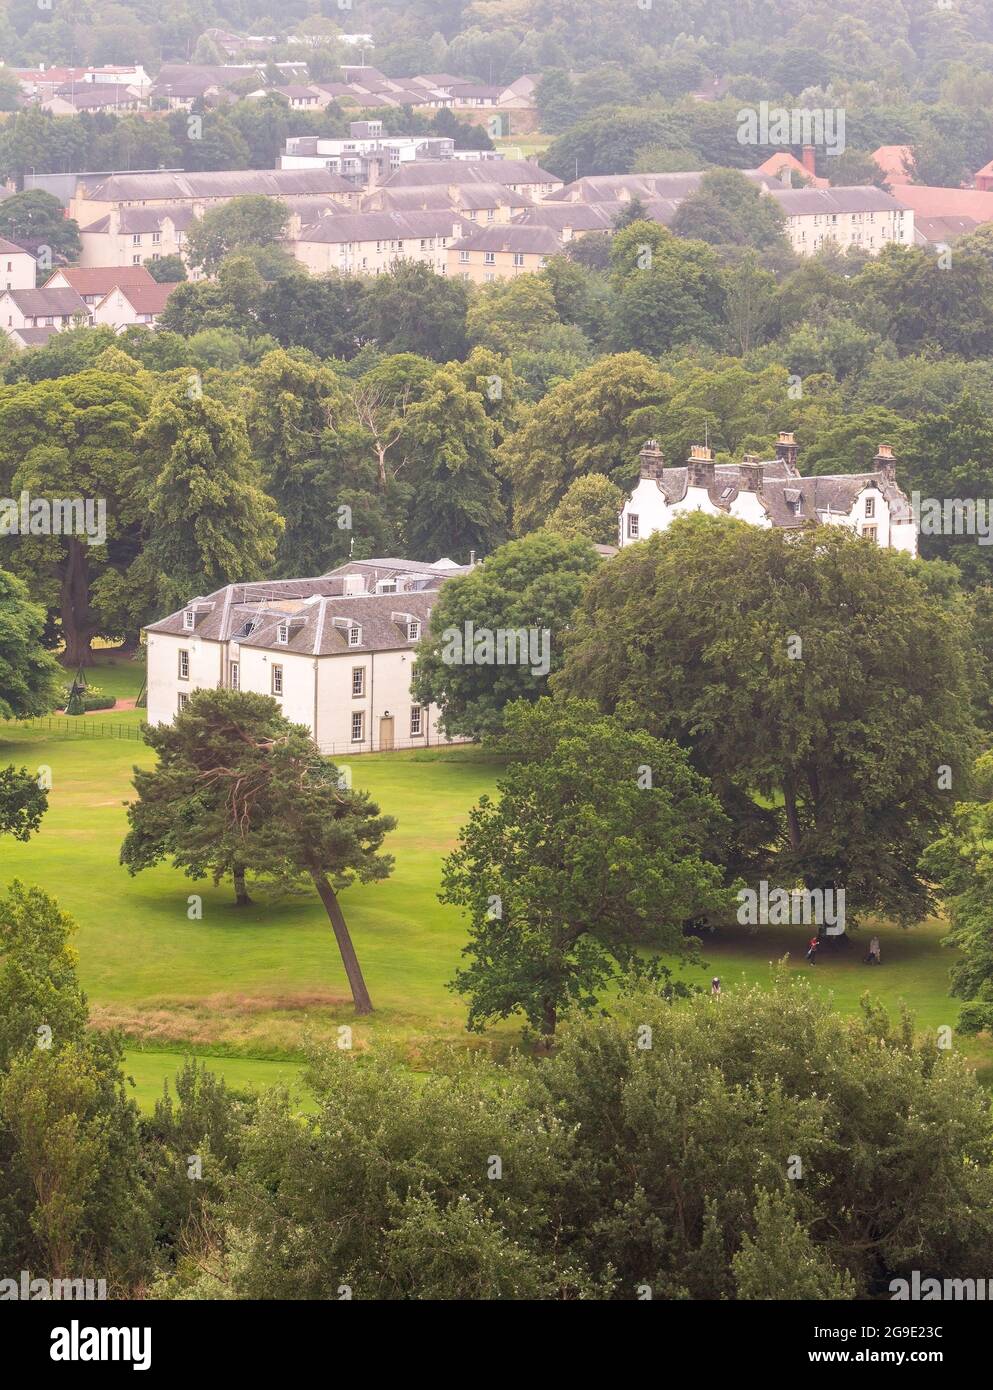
[[101, 279], [894, 161], [930, 201]]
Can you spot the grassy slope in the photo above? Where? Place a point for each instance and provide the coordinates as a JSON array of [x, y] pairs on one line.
[[258, 981]]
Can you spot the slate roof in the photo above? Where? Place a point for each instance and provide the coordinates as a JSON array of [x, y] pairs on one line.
[[33, 337], [821, 497], [803, 202], [417, 172], [221, 183], [383, 226], [312, 606], [591, 217], [510, 236], [608, 188], [41, 302], [10, 248]]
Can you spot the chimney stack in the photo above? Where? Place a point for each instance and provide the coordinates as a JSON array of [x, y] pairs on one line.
[[786, 450], [650, 460], [885, 462], [700, 467], [749, 474], [808, 159]]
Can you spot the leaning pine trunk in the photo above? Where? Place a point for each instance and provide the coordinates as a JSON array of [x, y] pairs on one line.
[[360, 995]]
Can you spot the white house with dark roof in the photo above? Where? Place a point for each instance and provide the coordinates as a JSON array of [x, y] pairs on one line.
[[44, 308], [17, 267], [769, 493], [336, 651]]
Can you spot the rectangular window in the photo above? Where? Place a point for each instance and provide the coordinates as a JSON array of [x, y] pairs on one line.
[[869, 533], [358, 680], [354, 636], [518, 258], [358, 725], [183, 701], [415, 721], [283, 633], [189, 620], [413, 629], [632, 526], [489, 257], [464, 257], [277, 680], [870, 506], [234, 677], [184, 664]]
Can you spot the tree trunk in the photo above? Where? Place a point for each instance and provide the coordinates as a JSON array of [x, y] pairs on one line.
[[74, 605], [241, 897], [360, 995], [792, 819], [549, 1018]]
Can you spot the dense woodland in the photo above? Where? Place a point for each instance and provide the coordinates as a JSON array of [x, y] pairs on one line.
[[277, 423]]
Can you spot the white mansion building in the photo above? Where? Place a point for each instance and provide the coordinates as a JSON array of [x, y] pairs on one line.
[[770, 492], [336, 652]]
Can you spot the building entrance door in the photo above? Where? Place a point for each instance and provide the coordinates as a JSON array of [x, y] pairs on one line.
[[386, 732]]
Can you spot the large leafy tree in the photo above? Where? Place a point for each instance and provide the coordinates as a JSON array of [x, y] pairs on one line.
[[303, 430], [323, 315], [669, 293], [38, 219], [238, 786], [455, 504], [919, 301], [74, 437], [411, 309], [209, 520], [817, 680], [529, 585], [593, 423], [28, 677], [949, 455], [603, 842], [960, 862], [252, 221], [73, 1200], [729, 210]]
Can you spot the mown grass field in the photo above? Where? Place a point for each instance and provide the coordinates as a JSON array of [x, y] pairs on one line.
[[249, 987]]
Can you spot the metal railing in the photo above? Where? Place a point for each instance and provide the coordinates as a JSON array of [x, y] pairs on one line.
[[80, 726]]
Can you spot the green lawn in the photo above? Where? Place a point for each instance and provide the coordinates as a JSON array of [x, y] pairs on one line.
[[249, 987]]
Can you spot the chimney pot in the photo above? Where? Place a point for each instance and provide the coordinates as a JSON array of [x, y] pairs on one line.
[[700, 467], [786, 450], [749, 474], [650, 460], [885, 462], [809, 160]]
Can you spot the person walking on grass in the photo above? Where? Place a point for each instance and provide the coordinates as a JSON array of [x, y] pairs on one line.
[[715, 987], [812, 949]]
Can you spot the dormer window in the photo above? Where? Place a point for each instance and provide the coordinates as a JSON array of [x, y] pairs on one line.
[[283, 633], [189, 620], [413, 629], [354, 635]]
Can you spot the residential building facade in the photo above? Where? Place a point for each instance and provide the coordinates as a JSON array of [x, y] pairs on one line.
[[865, 218], [769, 493], [336, 652]]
